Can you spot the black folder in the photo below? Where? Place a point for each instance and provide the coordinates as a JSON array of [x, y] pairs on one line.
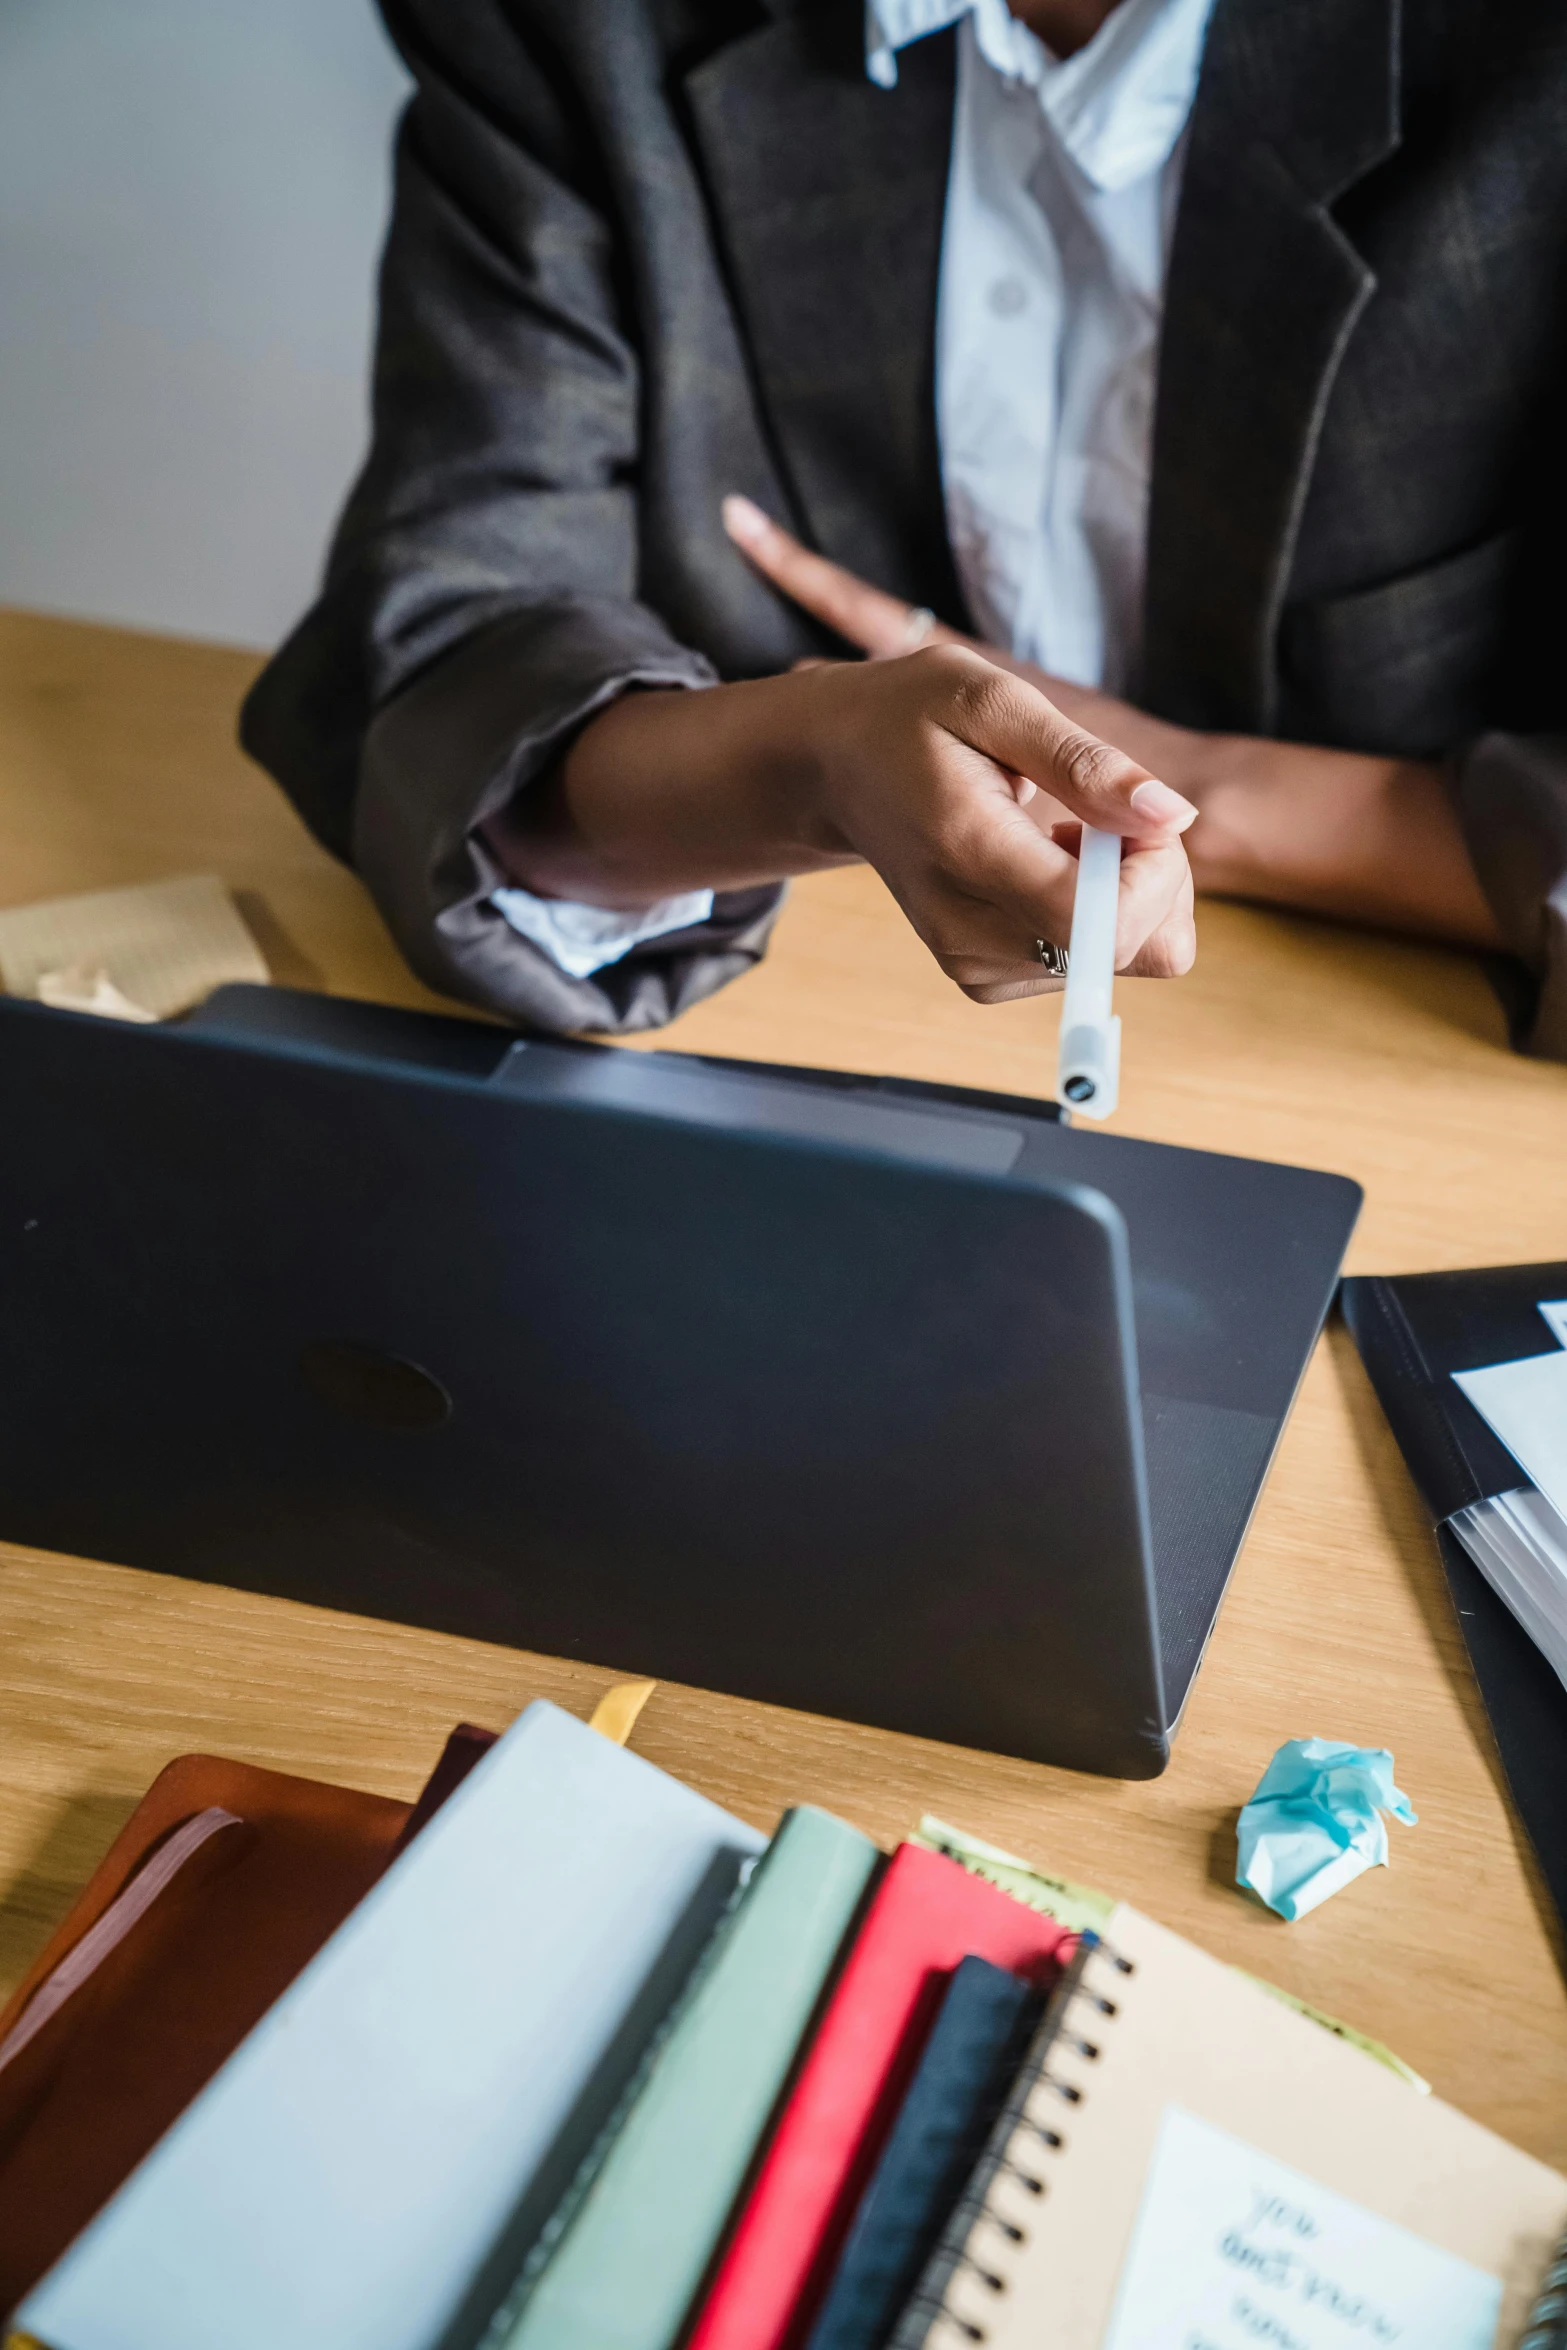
[[1413, 1333]]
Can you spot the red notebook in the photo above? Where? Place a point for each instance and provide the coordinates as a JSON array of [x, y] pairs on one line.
[[928, 1914]]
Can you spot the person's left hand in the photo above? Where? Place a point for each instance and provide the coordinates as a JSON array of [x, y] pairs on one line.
[[885, 628]]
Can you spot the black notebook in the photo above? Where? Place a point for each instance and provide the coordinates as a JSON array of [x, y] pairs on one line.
[[970, 2062], [1413, 1333]]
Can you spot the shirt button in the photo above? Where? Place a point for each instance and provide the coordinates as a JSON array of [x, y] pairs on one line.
[[1008, 296]]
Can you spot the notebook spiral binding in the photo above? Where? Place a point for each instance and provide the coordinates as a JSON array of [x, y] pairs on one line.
[[951, 2308], [1547, 2327]]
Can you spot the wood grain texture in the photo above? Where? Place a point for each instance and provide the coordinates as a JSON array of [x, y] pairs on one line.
[[1290, 1041]]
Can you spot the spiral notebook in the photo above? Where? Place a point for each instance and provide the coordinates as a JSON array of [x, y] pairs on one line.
[[926, 1916], [1185, 2161], [986, 2022]]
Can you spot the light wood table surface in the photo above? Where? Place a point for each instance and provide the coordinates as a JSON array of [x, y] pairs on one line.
[[1290, 1041]]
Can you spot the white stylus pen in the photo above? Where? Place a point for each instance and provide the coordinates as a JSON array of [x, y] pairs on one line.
[[1088, 1075]]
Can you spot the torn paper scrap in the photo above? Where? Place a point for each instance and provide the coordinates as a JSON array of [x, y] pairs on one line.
[[1080, 1908], [142, 953], [87, 987], [1315, 1822]]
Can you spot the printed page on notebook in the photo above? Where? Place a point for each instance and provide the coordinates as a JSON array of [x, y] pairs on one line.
[[1187, 2162], [927, 1915], [426, 2089]]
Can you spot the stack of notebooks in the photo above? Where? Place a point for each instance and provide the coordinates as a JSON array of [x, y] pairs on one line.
[[567, 2058]]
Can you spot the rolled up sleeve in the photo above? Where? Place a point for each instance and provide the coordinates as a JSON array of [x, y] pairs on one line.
[[455, 747], [481, 601], [1511, 791]]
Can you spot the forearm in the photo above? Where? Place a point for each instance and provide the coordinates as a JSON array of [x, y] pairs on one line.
[[665, 792], [940, 771], [1357, 838], [1339, 833]]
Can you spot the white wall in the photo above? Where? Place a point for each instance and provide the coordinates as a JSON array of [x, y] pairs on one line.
[[192, 195]]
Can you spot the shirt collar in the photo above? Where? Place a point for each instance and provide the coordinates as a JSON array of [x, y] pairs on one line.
[[1118, 106]]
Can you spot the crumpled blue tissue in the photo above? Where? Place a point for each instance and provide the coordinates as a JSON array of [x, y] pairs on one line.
[[1315, 1822]]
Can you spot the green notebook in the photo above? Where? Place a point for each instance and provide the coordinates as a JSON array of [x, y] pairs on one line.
[[626, 2266]]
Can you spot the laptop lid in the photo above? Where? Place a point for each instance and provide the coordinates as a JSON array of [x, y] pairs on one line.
[[824, 1391]]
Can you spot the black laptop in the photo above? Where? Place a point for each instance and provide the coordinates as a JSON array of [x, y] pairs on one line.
[[891, 1401]]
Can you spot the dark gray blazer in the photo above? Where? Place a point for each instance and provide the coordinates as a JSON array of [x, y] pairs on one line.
[[647, 251]]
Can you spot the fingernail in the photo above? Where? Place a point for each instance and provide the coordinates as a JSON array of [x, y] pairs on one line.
[[742, 520], [1024, 788], [1157, 804]]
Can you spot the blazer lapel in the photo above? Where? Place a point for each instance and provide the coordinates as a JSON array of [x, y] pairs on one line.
[[829, 195], [1297, 101]]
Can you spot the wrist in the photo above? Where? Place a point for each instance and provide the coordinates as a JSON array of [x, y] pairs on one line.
[[1346, 834], [810, 744], [1231, 845], [668, 790]]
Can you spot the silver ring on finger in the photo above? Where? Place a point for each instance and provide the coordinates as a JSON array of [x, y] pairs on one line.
[[1055, 959], [917, 627]]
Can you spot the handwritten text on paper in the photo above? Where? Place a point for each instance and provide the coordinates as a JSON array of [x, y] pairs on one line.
[[1235, 2251]]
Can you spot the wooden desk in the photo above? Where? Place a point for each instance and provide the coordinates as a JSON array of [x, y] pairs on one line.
[[1290, 1041]]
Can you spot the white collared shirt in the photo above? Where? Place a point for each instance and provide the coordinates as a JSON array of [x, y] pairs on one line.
[[1060, 202], [1061, 197]]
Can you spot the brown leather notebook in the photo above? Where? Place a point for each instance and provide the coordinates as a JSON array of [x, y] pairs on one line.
[[225, 1881]]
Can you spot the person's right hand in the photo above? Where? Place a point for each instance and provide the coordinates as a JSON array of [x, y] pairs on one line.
[[922, 766], [958, 780]]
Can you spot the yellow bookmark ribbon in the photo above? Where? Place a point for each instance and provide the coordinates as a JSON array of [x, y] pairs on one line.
[[615, 1715]]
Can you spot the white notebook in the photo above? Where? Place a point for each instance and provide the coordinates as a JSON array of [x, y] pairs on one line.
[[424, 2091], [1187, 2165]]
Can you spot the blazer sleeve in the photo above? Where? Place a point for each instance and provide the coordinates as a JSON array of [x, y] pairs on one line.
[[480, 601], [1512, 802]]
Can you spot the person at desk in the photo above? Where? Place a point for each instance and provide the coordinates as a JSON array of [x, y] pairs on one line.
[[1202, 358]]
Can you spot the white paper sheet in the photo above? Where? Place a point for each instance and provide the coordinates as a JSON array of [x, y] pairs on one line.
[[1519, 1545], [1555, 1312], [1526, 1404], [1233, 2249]]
